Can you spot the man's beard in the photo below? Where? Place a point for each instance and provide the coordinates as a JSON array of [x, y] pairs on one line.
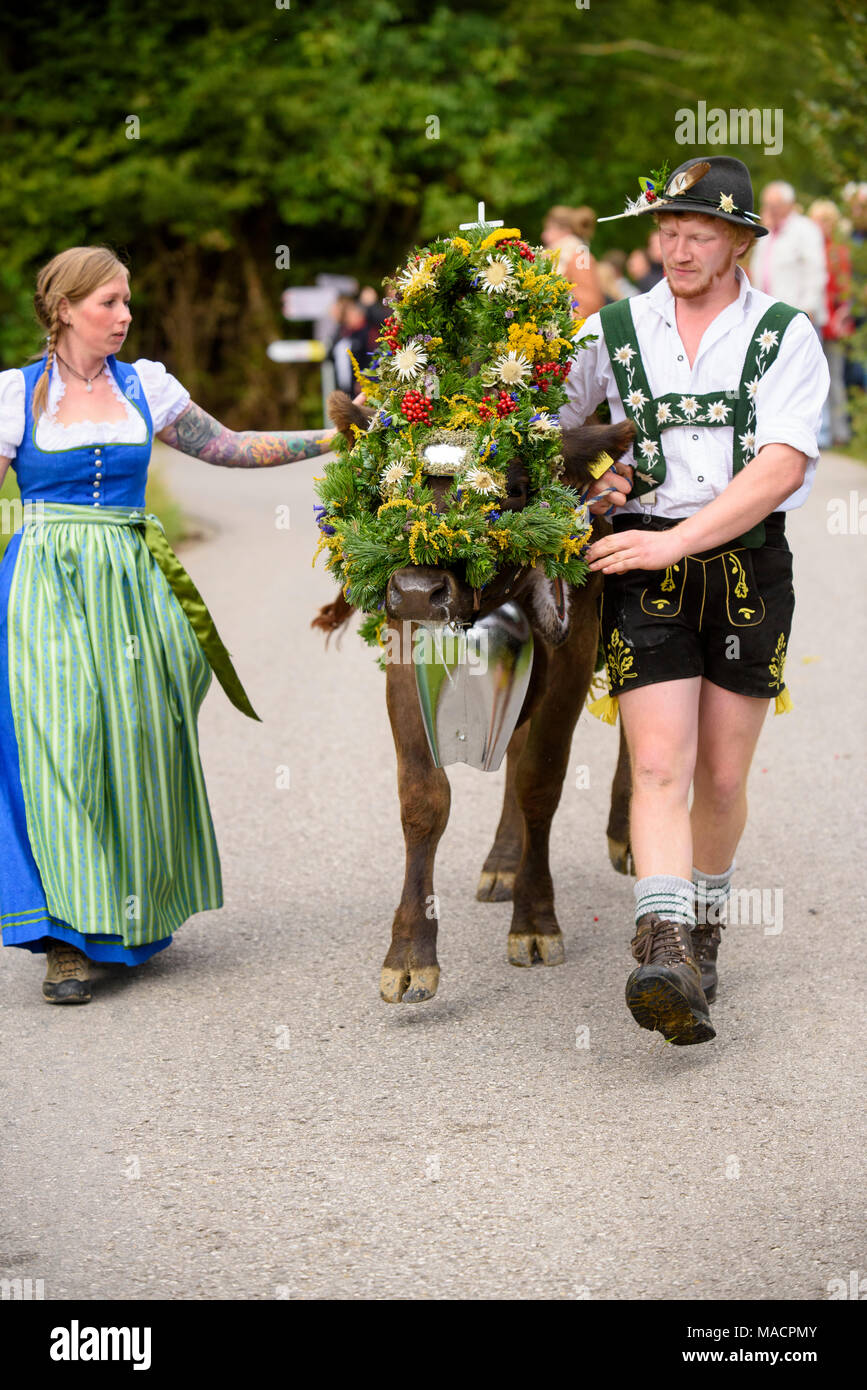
[[694, 291]]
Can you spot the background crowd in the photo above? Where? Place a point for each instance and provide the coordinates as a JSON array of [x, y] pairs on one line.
[[813, 258]]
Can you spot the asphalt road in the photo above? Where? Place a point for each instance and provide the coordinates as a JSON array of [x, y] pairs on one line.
[[242, 1117]]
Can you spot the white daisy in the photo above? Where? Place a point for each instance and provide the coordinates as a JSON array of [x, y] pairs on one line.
[[624, 355], [512, 368], [497, 275], [415, 279], [408, 361], [482, 480], [663, 412], [636, 399], [649, 448], [717, 411], [767, 339], [392, 476], [752, 387], [689, 406], [543, 423], [748, 442]]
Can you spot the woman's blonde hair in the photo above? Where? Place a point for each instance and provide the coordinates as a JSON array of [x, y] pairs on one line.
[[72, 275], [581, 222]]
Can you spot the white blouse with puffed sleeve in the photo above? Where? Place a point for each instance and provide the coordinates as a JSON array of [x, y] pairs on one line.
[[165, 396]]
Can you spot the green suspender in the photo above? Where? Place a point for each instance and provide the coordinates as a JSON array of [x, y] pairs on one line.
[[653, 414]]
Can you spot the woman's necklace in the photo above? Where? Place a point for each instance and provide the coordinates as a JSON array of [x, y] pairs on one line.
[[86, 379]]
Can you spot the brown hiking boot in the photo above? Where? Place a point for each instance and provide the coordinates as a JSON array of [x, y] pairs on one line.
[[665, 990], [705, 944], [67, 979]]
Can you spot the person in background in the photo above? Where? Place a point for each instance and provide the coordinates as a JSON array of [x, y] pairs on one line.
[[838, 323], [569, 231], [352, 336], [855, 199], [655, 269], [789, 263], [637, 265], [612, 276]]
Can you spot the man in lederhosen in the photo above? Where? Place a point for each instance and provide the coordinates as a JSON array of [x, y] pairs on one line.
[[725, 386]]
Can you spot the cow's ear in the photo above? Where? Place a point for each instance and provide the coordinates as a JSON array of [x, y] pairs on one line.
[[345, 413], [582, 446]]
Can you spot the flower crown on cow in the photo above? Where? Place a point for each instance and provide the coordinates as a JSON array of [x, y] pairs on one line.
[[469, 374]]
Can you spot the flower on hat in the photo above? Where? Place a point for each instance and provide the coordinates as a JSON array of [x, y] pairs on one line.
[[726, 202]]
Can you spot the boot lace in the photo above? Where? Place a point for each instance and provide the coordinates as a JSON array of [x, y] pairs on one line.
[[661, 943]]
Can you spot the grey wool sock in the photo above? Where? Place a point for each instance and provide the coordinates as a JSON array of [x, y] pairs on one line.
[[711, 895], [668, 896]]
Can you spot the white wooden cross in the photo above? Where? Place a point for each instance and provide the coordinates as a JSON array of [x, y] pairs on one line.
[[481, 221]]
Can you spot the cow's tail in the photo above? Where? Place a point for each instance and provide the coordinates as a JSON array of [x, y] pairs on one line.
[[333, 616]]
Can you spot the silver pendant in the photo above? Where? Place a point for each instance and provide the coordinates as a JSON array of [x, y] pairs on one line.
[[471, 685], [89, 387]]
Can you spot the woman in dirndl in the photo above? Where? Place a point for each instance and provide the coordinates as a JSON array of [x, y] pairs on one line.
[[106, 648]]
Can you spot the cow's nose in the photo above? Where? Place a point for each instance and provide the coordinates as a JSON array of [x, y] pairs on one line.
[[424, 594]]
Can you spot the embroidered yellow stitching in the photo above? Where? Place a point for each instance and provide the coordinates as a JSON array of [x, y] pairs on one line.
[[741, 588], [619, 660], [776, 664]]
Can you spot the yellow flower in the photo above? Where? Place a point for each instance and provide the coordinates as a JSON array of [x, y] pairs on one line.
[[525, 338], [498, 235], [462, 245]]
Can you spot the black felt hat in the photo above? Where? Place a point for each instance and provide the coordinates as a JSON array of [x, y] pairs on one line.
[[716, 185]]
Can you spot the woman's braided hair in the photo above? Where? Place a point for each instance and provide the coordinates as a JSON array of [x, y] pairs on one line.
[[72, 275]]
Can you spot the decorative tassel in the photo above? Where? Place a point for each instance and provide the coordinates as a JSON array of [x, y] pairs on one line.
[[783, 701], [605, 709]]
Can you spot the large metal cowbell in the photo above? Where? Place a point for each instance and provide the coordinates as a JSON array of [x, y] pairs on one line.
[[471, 685]]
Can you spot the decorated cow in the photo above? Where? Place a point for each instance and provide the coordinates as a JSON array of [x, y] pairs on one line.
[[455, 517]]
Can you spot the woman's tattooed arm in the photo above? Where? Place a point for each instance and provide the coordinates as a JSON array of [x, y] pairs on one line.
[[198, 433]]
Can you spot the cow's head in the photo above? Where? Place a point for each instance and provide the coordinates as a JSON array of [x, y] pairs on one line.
[[427, 593]]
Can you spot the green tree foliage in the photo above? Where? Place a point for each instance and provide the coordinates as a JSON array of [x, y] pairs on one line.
[[349, 132]]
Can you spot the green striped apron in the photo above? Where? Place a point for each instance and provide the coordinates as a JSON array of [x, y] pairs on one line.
[[108, 666]]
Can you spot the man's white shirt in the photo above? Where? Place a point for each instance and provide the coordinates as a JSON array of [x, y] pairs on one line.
[[790, 264], [789, 398]]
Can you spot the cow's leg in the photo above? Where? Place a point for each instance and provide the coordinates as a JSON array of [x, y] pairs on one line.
[[535, 932], [619, 849], [410, 972], [497, 879]]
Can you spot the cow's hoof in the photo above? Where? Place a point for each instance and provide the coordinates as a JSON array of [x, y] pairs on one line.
[[620, 854], [525, 948], [409, 986], [495, 886]]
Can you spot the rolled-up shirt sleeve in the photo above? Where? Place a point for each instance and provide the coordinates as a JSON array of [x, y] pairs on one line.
[[587, 382], [11, 412], [791, 394]]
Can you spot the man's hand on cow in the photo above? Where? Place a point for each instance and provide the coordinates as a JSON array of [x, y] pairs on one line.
[[619, 476], [635, 550]]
